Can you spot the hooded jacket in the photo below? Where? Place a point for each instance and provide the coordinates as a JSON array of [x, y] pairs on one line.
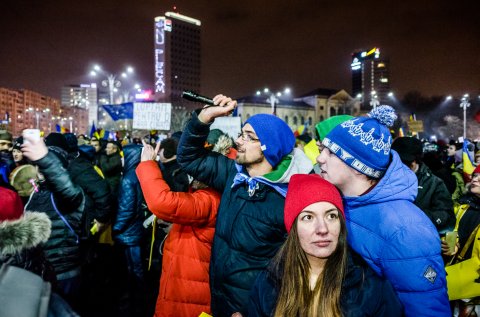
[[363, 293], [250, 227], [184, 284], [128, 226], [21, 243], [399, 241]]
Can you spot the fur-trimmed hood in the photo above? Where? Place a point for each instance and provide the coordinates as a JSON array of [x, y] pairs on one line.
[[31, 229], [223, 145]]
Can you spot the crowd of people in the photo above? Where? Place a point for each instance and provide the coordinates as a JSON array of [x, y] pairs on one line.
[[202, 224]]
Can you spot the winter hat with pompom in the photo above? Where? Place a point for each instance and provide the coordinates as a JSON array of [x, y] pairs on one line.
[[364, 143]]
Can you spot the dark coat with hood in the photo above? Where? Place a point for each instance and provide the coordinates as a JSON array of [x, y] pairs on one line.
[[128, 226], [434, 199], [21, 244], [249, 229], [363, 293], [62, 248]]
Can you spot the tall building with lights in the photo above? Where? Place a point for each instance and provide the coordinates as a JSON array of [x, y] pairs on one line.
[[370, 77], [177, 58], [83, 96]]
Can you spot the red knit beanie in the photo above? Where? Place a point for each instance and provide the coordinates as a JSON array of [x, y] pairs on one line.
[[307, 189], [476, 170], [11, 207]]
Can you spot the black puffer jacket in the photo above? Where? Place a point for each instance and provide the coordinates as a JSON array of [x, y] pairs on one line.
[[435, 200], [62, 248], [363, 293], [128, 227], [249, 230], [97, 192], [21, 244]]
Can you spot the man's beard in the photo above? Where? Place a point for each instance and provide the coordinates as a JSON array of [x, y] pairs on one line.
[[240, 159]]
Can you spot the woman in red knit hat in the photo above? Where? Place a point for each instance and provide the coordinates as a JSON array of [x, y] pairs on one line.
[[315, 273]]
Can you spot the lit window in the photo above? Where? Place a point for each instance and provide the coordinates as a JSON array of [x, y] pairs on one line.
[[380, 65], [384, 80]]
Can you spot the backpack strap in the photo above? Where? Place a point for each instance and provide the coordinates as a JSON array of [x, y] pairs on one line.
[[63, 218]]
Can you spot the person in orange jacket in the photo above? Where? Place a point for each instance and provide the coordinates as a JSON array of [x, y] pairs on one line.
[[184, 283]]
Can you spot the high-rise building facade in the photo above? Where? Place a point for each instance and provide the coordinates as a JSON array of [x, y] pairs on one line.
[[370, 77], [82, 96], [25, 109], [177, 58]]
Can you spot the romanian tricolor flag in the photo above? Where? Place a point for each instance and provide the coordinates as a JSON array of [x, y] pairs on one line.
[[467, 161], [60, 129], [301, 130]]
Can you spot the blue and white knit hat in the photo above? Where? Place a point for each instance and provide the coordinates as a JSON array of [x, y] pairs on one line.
[[364, 143], [276, 137]]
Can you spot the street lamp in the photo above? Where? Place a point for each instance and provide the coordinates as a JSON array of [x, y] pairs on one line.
[[37, 115], [272, 97], [47, 111], [374, 99], [465, 104], [111, 81]]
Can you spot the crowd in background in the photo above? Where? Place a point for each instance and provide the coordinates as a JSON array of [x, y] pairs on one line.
[[200, 222]]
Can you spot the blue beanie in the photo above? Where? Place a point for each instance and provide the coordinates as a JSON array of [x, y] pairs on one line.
[[276, 137], [364, 143]]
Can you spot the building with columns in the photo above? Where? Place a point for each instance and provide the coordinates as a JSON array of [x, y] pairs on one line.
[[309, 109]]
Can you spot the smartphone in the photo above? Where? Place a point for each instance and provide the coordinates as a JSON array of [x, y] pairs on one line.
[[31, 134]]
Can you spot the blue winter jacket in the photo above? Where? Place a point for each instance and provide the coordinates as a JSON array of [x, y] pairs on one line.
[[128, 226], [399, 241]]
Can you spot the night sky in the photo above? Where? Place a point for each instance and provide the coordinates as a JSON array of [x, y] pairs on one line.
[[433, 46]]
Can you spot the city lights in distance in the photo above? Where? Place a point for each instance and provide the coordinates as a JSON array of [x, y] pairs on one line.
[[390, 94], [449, 97]]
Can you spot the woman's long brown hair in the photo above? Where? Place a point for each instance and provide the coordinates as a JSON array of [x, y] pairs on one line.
[[291, 265]]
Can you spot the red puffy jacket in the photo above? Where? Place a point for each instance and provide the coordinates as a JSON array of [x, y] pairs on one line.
[[184, 284]]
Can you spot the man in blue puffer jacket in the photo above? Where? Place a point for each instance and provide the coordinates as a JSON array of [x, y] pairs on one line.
[[384, 226], [128, 231]]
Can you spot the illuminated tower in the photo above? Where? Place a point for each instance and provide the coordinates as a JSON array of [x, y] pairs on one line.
[[177, 58], [370, 77]]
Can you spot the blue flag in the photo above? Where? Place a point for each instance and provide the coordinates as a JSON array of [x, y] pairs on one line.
[[93, 129], [121, 111]]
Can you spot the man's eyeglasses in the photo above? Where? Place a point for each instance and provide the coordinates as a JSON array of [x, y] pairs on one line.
[[247, 137]]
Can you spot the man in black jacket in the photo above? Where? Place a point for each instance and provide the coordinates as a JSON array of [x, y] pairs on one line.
[[250, 227], [433, 196], [111, 166]]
